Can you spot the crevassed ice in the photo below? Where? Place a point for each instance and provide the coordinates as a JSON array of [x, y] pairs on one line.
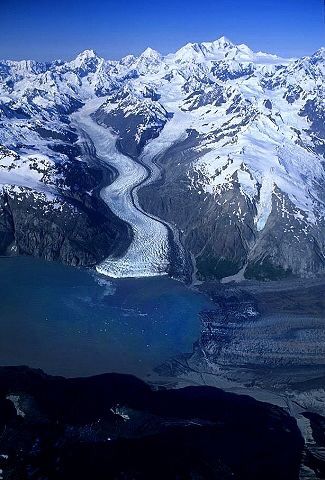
[[148, 252]]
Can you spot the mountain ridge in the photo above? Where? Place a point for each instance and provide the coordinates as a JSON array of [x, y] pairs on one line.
[[248, 128]]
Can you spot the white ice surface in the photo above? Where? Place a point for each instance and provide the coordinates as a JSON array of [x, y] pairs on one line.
[[148, 253]]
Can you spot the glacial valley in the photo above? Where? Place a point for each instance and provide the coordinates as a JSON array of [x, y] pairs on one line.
[[188, 190]]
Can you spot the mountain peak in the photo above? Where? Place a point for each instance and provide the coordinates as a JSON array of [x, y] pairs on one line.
[[189, 51], [150, 53], [128, 60], [88, 53], [85, 58], [223, 42], [320, 53], [216, 49]]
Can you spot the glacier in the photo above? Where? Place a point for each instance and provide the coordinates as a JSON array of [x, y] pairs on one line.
[[148, 253]]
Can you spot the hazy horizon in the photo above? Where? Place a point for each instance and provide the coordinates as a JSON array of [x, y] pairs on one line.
[[73, 56], [56, 30]]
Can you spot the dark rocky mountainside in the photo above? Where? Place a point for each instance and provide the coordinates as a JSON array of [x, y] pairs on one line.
[[65, 220], [115, 426]]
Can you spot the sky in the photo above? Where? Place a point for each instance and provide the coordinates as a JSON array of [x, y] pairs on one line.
[[60, 29]]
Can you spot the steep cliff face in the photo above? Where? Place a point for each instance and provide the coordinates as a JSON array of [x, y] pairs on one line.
[[60, 216], [219, 242], [221, 230], [61, 229]]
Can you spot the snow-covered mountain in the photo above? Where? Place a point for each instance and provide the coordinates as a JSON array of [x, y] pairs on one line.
[[239, 137]]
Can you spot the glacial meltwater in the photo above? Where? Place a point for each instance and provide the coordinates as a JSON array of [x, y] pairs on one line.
[[73, 322]]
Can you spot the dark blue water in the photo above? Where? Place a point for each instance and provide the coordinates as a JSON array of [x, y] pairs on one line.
[[71, 322]]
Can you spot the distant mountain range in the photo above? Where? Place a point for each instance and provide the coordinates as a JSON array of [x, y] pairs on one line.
[[238, 136]]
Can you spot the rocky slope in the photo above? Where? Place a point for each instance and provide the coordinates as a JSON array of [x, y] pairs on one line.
[[115, 426], [52, 211], [238, 136]]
